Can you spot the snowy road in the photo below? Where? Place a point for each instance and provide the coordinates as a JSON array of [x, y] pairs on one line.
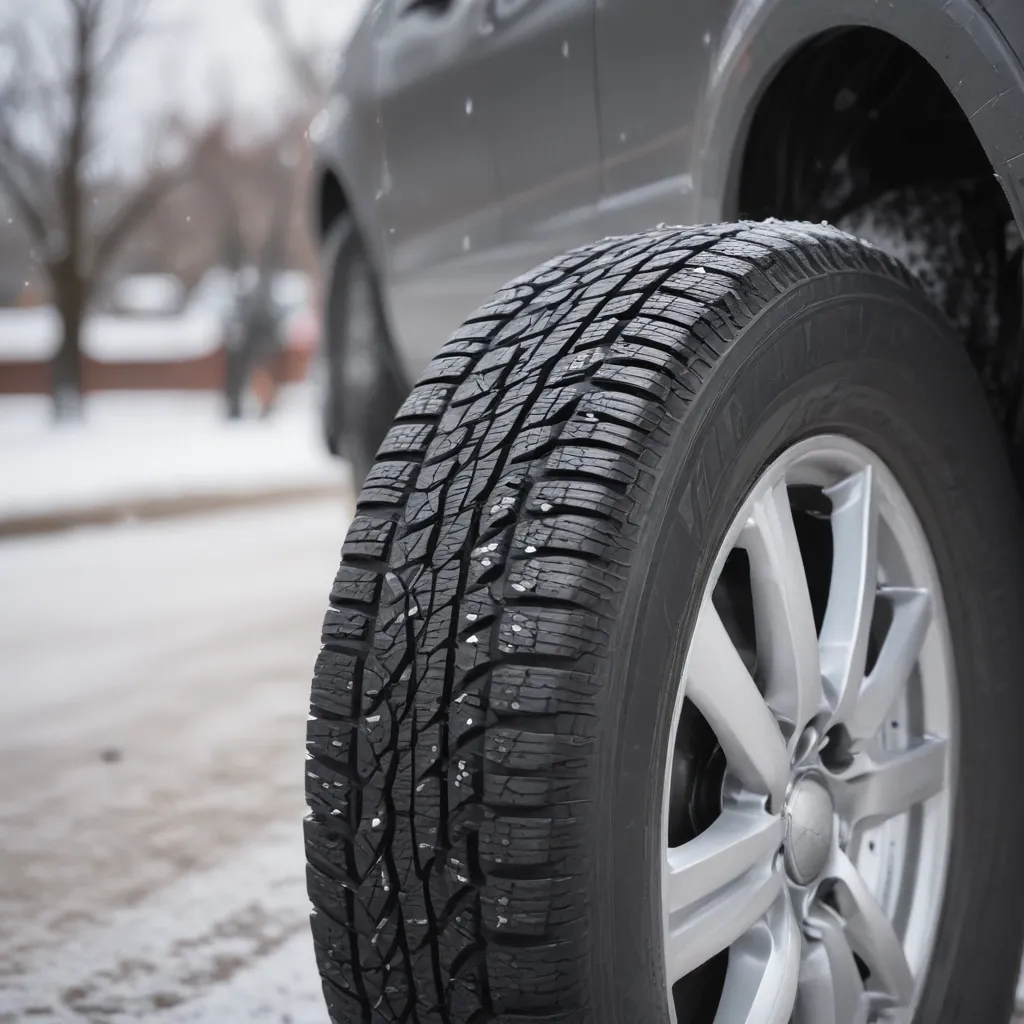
[[153, 687]]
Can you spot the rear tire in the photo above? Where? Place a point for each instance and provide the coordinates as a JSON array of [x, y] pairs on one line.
[[364, 385], [492, 709]]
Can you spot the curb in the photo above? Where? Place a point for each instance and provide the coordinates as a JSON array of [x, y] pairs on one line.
[[170, 507]]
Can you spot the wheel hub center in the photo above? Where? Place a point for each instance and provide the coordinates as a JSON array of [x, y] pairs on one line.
[[809, 816]]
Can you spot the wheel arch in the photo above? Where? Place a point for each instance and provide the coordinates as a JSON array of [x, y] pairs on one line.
[[330, 202], [956, 38], [772, 122], [852, 113], [331, 206]]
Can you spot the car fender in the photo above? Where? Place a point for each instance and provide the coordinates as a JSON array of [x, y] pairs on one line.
[[956, 37], [347, 141]]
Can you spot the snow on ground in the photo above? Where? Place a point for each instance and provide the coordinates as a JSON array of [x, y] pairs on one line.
[[228, 944], [33, 334], [136, 446], [153, 697]]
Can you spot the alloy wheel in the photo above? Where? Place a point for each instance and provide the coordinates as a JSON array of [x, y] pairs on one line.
[[805, 841]]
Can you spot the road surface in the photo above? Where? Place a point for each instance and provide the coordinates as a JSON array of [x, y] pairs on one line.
[[153, 688]]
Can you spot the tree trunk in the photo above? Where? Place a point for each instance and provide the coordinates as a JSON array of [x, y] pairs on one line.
[[66, 372]]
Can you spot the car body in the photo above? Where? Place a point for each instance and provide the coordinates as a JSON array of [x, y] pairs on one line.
[[472, 139], [466, 142]]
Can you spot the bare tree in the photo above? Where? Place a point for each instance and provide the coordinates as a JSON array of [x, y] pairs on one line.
[[306, 65], [252, 186], [51, 84]]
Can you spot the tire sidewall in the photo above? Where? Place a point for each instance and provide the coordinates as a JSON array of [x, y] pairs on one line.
[[863, 356]]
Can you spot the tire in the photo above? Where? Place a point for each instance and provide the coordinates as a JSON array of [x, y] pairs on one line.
[[496, 703], [364, 384]]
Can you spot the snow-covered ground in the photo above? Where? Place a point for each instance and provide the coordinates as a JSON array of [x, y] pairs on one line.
[[230, 944], [33, 335], [141, 336], [153, 696], [148, 446]]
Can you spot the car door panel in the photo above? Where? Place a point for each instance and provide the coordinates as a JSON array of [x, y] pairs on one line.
[[438, 202], [543, 123], [438, 156], [652, 65]]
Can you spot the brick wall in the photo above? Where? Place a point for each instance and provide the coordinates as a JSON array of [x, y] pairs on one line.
[[202, 374]]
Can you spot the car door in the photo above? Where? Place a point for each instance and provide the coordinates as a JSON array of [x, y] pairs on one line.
[[438, 205], [542, 118], [652, 65]]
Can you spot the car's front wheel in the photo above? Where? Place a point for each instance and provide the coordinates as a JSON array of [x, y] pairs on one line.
[[671, 672]]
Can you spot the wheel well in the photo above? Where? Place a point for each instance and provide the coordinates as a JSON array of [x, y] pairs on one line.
[[851, 115], [333, 202], [856, 116]]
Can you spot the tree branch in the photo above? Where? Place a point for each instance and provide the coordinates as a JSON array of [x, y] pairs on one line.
[[128, 30], [27, 210], [220, 182], [298, 61], [33, 89], [16, 164], [131, 214], [155, 188]]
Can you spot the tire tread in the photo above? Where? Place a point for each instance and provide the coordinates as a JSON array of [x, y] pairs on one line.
[[455, 700]]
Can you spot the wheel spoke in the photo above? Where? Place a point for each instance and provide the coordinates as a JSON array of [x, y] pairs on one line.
[[764, 970], [843, 642], [912, 610], [875, 789], [770, 882], [871, 934], [723, 690], [787, 639], [718, 885], [830, 990]]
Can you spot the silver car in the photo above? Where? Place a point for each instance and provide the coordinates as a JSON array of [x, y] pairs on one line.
[[672, 671]]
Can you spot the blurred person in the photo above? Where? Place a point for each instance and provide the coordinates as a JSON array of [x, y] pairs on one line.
[[253, 348]]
